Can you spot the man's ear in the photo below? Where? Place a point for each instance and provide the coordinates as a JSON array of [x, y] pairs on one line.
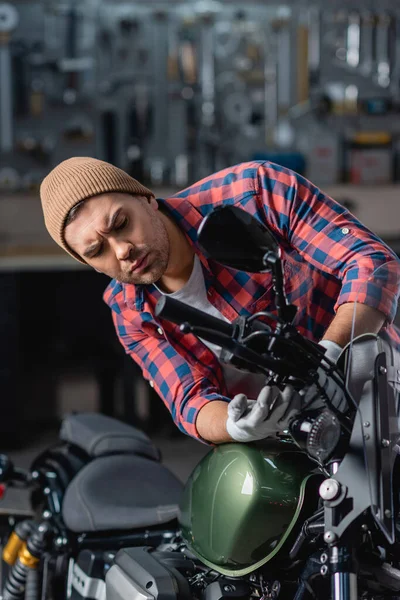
[[153, 202]]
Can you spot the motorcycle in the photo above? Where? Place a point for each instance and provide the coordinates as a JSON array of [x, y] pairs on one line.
[[101, 488], [310, 514]]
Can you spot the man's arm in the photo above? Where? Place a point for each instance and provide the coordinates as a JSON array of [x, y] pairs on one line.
[[330, 239], [211, 422], [366, 320], [184, 389]]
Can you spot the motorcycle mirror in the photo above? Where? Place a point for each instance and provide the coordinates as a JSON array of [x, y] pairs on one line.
[[235, 238]]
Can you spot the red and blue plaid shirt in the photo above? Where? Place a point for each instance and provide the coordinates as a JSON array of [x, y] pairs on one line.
[[328, 256]]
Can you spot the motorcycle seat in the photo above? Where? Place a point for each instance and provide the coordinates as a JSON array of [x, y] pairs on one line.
[[121, 492], [99, 435]]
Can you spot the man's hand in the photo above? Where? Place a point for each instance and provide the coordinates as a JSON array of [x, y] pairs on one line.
[[250, 420], [313, 398]]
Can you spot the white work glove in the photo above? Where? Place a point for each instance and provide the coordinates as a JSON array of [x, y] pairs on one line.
[[250, 420], [312, 398]]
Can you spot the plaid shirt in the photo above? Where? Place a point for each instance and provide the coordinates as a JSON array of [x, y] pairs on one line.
[[327, 254]]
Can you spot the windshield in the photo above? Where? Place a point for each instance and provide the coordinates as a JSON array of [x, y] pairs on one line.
[[377, 404]]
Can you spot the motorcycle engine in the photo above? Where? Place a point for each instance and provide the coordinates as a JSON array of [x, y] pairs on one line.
[[142, 573]]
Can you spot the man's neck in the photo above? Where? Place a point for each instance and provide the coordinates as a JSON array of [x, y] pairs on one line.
[[181, 258]]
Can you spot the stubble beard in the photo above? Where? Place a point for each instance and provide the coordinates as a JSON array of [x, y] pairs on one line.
[[159, 260]]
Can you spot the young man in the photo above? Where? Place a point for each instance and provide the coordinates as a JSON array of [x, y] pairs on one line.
[[103, 217]]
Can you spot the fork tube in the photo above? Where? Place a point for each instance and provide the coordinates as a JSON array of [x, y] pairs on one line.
[[344, 581]]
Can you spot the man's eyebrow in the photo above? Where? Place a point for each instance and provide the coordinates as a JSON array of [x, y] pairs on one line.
[[90, 249], [109, 227], [111, 221]]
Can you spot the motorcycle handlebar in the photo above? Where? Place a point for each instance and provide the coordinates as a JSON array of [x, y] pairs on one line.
[[179, 312]]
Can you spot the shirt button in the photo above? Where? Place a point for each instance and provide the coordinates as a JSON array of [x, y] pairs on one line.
[[345, 230], [160, 331], [151, 383]]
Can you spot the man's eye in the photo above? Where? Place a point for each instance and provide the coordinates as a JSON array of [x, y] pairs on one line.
[[121, 225], [97, 253]]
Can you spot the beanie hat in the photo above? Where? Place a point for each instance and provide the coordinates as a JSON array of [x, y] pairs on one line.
[[77, 179]]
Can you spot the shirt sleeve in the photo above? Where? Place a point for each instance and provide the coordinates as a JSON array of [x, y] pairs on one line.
[[330, 238], [183, 389]]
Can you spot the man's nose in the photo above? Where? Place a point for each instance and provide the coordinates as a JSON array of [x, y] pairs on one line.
[[122, 249]]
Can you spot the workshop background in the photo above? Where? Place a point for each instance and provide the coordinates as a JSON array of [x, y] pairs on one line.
[[170, 91]]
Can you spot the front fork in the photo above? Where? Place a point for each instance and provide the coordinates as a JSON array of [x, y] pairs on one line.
[[343, 576]]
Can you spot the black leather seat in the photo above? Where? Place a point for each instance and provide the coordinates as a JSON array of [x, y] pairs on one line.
[[121, 492], [99, 435], [124, 486]]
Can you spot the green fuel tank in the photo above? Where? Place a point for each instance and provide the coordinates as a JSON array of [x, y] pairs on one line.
[[242, 502]]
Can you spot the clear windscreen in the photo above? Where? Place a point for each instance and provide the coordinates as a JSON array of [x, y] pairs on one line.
[[377, 419]]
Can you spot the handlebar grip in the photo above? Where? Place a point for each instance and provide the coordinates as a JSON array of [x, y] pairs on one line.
[[179, 312]]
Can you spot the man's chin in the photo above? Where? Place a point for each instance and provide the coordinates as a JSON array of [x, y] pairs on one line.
[[143, 279]]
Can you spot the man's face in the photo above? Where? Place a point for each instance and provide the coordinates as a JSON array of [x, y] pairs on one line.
[[122, 236]]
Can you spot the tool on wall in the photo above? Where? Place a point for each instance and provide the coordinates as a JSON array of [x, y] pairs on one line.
[[366, 42], [72, 65], [208, 135], [8, 22], [314, 44], [138, 130], [157, 163], [353, 39], [383, 29], [284, 133]]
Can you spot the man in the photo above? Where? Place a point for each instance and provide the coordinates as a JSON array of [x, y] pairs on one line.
[[104, 218]]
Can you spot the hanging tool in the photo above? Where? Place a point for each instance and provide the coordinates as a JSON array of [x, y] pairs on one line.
[[366, 42], [314, 44], [73, 65], [138, 130], [382, 49], [353, 40], [284, 134], [8, 22], [303, 91], [208, 135], [270, 88], [158, 161]]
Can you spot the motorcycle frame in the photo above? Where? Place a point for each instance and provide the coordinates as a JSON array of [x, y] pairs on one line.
[[364, 474]]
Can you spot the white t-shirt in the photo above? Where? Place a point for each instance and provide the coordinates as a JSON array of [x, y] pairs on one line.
[[194, 294]]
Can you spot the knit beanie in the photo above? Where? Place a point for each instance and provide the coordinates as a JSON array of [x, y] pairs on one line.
[[77, 179]]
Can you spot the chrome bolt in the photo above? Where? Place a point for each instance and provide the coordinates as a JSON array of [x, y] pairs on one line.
[[35, 475], [229, 588], [46, 490], [385, 443], [323, 557], [61, 541], [388, 514], [383, 370], [329, 537], [46, 514], [366, 424], [324, 570], [366, 436], [364, 527], [276, 586], [329, 489]]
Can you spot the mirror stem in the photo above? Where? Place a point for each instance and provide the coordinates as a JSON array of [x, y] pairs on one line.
[[286, 311]]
